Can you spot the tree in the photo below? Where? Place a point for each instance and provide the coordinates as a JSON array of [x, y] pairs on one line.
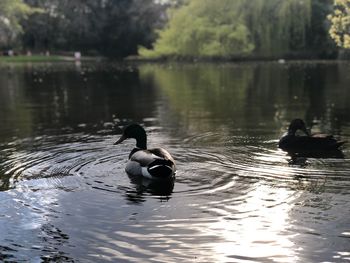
[[318, 39], [203, 28], [110, 27], [277, 27], [226, 28], [340, 19], [11, 13], [130, 24]]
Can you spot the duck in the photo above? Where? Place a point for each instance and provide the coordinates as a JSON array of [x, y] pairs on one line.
[[290, 142], [155, 163]]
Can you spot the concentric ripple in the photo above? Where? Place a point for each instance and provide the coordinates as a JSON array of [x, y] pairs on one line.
[[64, 162], [232, 195], [207, 164], [224, 161]]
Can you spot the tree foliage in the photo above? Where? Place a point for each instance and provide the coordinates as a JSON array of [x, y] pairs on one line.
[[203, 28], [189, 28], [264, 28], [104, 26], [277, 27], [317, 36], [11, 13], [340, 19]]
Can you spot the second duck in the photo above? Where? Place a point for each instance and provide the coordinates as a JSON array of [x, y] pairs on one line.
[[291, 142]]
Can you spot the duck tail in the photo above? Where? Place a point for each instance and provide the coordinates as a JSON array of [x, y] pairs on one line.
[[162, 169], [338, 144]]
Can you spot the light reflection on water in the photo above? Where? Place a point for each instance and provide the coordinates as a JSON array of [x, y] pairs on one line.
[[237, 198]]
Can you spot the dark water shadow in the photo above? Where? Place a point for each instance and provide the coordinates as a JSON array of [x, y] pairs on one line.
[[300, 158], [162, 189], [6, 253], [54, 239]]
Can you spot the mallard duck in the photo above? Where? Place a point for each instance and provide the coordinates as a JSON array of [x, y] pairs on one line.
[[291, 142], [156, 163]]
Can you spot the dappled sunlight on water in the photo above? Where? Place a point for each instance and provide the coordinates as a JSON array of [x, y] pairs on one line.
[[65, 196]]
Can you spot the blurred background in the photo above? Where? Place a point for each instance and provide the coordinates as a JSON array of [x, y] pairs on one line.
[[254, 29]]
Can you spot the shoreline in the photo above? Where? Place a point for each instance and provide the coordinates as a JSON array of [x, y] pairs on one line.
[[136, 59], [44, 58]]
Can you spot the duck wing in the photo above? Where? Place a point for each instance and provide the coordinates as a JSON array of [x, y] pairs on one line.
[[158, 162], [162, 154], [146, 157], [324, 142]]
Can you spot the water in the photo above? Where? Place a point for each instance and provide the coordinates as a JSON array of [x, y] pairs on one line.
[[64, 195]]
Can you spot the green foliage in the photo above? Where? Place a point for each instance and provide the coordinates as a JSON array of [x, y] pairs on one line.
[[203, 28], [225, 28], [277, 26], [110, 27], [317, 36], [195, 28], [340, 19], [11, 13]]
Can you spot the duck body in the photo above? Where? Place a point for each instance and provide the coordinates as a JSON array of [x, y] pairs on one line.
[[291, 142], [312, 143], [156, 163]]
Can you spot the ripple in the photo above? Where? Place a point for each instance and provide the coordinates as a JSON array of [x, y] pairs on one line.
[[209, 168], [77, 161], [226, 195], [66, 162]]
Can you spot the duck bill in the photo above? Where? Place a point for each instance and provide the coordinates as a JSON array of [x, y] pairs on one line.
[[121, 139]]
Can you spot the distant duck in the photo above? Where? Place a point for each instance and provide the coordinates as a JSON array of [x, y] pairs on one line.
[[155, 163], [291, 142]]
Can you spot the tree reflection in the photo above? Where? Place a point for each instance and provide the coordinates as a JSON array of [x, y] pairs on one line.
[[247, 95], [44, 98]]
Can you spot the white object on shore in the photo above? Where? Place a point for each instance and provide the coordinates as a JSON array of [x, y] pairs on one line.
[[77, 55]]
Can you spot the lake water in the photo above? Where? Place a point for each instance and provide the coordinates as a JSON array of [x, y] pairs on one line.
[[65, 197]]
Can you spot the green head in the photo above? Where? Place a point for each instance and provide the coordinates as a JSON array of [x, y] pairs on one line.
[[134, 131]]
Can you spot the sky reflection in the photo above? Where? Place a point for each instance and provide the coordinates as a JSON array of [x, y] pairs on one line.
[[259, 230]]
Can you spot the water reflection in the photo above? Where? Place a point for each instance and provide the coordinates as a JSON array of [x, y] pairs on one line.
[[301, 158], [236, 197], [251, 100], [256, 241], [49, 97], [145, 185]]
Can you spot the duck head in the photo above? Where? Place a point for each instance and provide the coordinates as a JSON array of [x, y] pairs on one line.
[[134, 131], [297, 124]]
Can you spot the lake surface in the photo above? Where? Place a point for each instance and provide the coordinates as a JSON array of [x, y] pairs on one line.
[[65, 197]]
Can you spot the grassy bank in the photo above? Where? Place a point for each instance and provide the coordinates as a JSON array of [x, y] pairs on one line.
[[43, 58], [34, 58]]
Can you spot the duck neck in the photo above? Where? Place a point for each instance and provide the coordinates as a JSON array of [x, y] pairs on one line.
[[141, 142]]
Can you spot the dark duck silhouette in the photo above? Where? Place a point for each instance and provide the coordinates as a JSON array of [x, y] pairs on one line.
[[156, 163], [318, 143]]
